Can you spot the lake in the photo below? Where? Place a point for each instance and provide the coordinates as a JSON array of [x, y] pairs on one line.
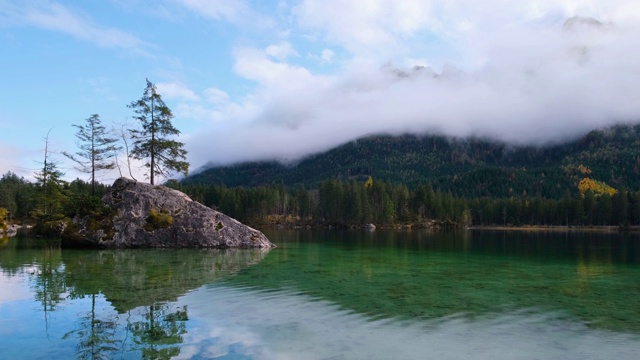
[[329, 295]]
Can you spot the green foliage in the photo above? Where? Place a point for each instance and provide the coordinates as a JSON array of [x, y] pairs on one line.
[[50, 197], [50, 203], [350, 203], [16, 195], [82, 205], [336, 203], [71, 234], [50, 228], [152, 142], [158, 220], [97, 149]]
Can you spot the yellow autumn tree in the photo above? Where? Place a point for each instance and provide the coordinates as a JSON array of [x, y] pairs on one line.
[[597, 187], [3, 221], [369, 183], [584, 170]]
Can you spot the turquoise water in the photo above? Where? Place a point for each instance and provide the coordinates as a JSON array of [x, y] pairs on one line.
[[329, 295]]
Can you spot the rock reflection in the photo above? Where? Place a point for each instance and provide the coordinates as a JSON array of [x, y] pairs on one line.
[[126, 297], [129, 279]]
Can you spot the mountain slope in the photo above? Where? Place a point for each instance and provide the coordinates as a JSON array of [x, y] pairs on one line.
[[466, 167]]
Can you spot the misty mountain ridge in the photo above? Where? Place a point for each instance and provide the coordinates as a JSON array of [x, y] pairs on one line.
[[465, 166], [578, 23]]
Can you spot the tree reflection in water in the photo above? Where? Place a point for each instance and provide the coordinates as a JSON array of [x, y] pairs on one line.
[[97, 338], [49, 281], [126, 297], [160, 333]]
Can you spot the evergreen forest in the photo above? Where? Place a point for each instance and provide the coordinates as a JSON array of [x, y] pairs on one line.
[[395, 181]]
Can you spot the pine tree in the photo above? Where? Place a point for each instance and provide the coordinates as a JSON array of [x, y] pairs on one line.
[[97, 149], [152, 143], [49, 181]]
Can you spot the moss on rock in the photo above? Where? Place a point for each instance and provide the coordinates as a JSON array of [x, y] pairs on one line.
[[158, 220]]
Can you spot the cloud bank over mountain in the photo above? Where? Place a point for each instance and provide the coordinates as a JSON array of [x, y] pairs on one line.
[[527, 74]]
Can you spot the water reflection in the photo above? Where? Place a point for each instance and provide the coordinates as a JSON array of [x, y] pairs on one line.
[[422, 275], [249, 323], [594, 246], [334, 295], [160, 332], [96, 333], [124, 300], [4, 241], [133, 278]]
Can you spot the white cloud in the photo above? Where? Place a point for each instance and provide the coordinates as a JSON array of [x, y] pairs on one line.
[[259, 65], [388, 29], [56, 17], [234, 11], [361, 27], [281, 51], [216, 96], [523, 81], [175, 90], [228, 10], [327, 56]]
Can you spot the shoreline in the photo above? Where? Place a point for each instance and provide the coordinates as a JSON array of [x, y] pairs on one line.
[[405, 227], [558, 228]]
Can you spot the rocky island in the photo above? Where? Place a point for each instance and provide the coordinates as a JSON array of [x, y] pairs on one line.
[[153, 216]]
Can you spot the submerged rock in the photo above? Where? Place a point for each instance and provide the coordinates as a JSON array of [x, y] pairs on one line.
[[145, 215]]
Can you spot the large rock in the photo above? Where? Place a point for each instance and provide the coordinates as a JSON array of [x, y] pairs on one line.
[[160, 217]]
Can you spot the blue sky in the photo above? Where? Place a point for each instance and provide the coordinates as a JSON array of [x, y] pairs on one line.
[[251, 80]]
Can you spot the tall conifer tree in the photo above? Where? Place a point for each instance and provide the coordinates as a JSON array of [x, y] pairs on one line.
[[50, 187], [97, 149], [152, 143]]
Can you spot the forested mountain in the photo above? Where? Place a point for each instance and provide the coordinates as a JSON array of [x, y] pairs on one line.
[[424, 181], [470, 167]]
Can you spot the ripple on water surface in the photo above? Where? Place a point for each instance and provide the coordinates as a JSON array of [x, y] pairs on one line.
[[336, 295], [257, 324]]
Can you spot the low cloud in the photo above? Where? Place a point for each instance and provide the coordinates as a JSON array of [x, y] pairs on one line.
[[537, 84]]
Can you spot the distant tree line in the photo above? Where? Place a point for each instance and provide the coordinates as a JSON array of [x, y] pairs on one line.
[[342, 204], [24, 200], [356, 203]]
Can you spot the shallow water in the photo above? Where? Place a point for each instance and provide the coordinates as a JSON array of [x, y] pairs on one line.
[[329, 295]]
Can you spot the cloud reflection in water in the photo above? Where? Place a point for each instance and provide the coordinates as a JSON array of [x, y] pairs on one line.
[[245, 323]]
